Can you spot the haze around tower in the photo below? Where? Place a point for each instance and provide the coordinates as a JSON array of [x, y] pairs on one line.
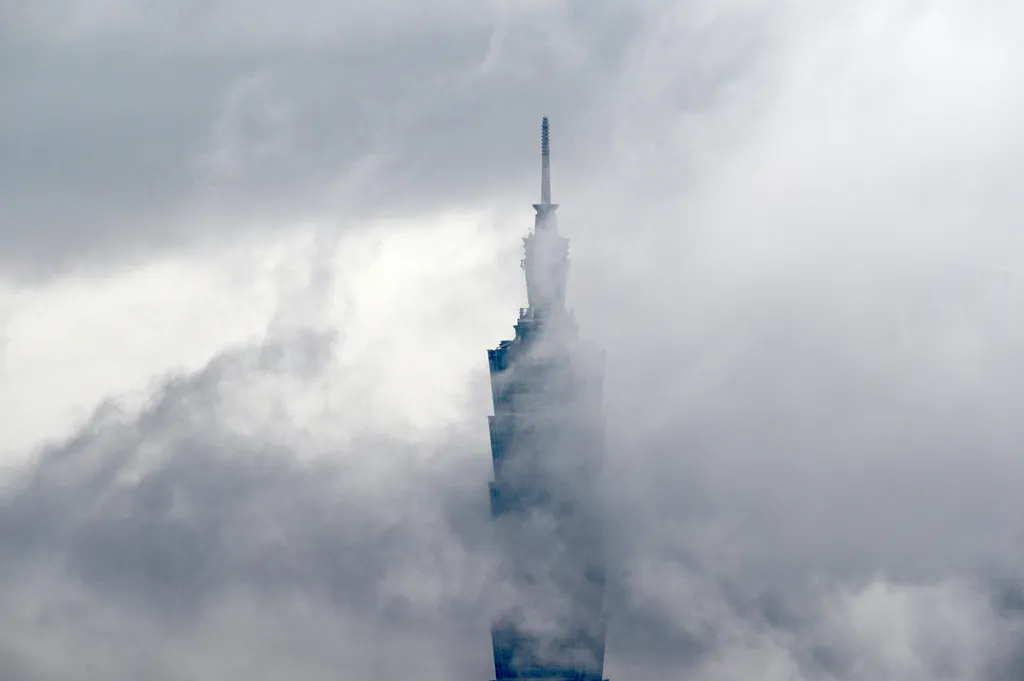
[[250, 253]]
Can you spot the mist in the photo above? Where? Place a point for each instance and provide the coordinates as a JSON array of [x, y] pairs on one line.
[[253, 259]]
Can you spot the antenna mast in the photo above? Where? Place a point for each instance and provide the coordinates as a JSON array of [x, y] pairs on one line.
[[545, 164]]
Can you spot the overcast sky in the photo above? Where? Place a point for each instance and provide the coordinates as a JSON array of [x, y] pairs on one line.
[[252, 255]]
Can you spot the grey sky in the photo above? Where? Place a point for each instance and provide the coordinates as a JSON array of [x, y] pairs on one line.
[[796, 231], [125, 133]]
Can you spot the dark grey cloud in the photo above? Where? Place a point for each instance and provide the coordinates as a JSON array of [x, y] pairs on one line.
[[119, 140]]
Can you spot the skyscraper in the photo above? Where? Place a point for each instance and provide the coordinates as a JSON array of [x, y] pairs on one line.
[[547, 443]]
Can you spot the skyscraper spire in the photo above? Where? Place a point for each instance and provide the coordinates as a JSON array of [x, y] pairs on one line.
[[546, 259], [545, 209], [545, 164]]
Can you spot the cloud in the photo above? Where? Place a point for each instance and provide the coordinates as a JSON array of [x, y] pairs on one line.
[[793, 229], [171, 519], [128, 132]]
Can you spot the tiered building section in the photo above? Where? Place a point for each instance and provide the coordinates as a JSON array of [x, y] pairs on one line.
[[547, 443]]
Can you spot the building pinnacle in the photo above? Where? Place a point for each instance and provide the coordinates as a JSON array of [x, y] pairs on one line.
[[545, 164], [545, 209]]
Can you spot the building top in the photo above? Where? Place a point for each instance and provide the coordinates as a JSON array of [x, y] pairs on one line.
[[546, 259]]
